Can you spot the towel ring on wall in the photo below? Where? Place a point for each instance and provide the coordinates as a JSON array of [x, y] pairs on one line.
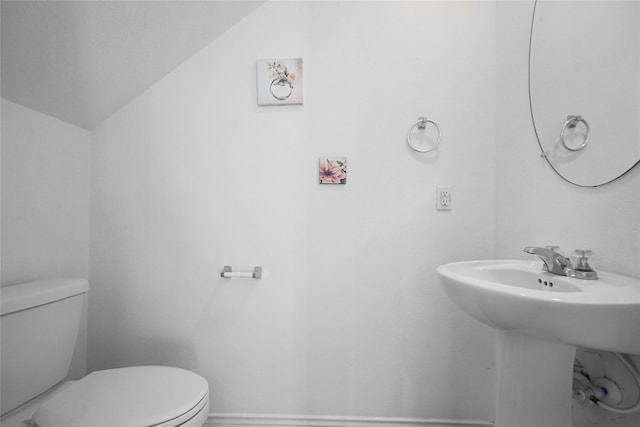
[[572, 122], [422, 124]]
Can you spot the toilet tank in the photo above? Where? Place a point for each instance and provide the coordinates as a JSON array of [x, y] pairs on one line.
[[38, 329]]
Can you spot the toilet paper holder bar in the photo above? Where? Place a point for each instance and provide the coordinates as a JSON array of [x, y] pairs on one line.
[[228, 273]]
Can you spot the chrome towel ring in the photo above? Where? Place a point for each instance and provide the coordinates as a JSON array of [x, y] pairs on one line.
[[572, 122], [422, 124]]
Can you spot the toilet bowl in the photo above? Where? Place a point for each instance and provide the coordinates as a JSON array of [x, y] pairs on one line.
[[38, 314], [137, 396]]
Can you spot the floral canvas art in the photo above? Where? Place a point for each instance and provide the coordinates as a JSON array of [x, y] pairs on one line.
[[279, 81], [333, 170]]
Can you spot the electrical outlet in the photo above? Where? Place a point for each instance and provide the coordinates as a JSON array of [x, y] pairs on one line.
[[443, 198]]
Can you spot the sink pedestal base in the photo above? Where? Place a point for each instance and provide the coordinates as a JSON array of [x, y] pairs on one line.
[[534, 381]]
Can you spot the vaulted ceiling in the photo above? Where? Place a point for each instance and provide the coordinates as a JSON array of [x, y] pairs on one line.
[[80, 61]]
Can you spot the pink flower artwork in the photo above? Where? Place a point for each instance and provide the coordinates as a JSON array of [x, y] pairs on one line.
[[279, 81], [333, 170]]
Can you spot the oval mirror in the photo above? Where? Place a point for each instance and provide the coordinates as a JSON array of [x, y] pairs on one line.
[[584, 87]]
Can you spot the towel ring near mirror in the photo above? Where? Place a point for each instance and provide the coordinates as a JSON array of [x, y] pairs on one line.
[[571, 123], [421, 123]]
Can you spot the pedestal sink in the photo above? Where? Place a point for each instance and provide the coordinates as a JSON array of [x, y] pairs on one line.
[[540, 318]]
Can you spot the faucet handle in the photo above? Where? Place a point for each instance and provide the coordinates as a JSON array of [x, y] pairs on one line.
[[583, 252], [582, 261]]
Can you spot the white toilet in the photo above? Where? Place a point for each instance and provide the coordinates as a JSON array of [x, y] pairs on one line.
[[39, 327]]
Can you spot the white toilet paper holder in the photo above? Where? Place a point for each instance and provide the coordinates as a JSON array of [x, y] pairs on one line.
[[228, 273]]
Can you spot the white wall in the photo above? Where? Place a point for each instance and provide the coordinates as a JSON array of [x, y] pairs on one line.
[[45, 202], [535, 207], [349, 318]]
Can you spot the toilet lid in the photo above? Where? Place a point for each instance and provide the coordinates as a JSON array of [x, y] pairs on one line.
[[138, 396]]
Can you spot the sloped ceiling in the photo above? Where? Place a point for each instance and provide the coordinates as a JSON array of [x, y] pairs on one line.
[[80, 61]]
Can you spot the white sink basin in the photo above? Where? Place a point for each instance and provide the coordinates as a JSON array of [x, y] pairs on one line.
[[539, 318], [519, 296]]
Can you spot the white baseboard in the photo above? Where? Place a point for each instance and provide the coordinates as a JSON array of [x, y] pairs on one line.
[[277, 420]]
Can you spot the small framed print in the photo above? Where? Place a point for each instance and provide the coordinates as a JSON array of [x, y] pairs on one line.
[[279, 81], [333, 170]]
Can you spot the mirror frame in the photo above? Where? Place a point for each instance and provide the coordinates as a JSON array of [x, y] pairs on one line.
[[543, 153]]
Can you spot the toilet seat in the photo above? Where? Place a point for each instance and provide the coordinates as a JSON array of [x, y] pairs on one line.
[[158, 396]]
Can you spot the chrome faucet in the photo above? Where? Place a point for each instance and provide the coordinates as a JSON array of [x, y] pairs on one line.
[[556, 263]]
